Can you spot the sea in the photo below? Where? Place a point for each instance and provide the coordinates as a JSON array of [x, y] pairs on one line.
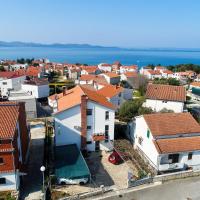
[[93, 56]]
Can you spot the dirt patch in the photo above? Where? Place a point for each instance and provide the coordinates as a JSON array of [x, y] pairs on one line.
[[139, 166]]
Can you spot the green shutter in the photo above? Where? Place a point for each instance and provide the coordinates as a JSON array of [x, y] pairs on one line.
[[148, 133]]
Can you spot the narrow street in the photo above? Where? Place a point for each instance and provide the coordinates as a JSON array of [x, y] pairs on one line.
[[183, 189], [32, 183]]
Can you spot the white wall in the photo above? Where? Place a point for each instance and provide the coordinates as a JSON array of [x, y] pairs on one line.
[[147, 147], [158, 105], [12, 181], [38, 91], [97, 121], [65, 127], [11, 84], [70, 118], [127, 94]]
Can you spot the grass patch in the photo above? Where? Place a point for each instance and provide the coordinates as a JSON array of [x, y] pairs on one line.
[[6, 196]]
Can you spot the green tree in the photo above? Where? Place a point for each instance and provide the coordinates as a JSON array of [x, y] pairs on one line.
[[2, 68], [129, 109], [144, 110]]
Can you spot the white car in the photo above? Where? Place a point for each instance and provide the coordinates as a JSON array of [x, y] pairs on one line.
[[65, 181]]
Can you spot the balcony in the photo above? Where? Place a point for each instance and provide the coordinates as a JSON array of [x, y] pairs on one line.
[[172, 166], [98, 137]]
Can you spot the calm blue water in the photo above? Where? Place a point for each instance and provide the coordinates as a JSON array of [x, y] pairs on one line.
[[95, 56]]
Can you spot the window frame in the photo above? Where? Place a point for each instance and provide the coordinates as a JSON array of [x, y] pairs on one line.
[[88, 111], [107, 115], [2, 180], [190, 155]]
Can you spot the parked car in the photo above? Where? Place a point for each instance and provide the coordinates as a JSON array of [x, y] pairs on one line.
[[115, 158], [66, 181]]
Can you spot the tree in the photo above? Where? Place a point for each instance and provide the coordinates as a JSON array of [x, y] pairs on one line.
[[169, 81], [2, 68], [129, 109], [144, 110], [165, 110]]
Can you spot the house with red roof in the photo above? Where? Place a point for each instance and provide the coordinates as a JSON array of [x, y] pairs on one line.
[[105, 67], [38, 88], [159, 97], [14, 139], [112, 78], [114, 93], [168, 141], [85, 118]]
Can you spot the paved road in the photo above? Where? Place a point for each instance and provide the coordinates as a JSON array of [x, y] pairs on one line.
[[32, 183], [185, 189]]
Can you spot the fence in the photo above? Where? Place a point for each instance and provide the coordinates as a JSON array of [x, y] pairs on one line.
[[164, 178], [134, 183]]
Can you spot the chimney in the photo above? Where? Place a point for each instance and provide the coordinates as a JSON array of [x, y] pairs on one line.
[[83, 121]]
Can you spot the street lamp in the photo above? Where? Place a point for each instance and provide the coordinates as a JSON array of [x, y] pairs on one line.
[[42, 169]]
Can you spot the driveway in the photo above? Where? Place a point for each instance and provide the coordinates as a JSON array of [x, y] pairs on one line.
[[32, 182]]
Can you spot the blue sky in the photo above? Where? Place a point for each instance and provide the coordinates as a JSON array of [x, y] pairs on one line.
[[125, 23]]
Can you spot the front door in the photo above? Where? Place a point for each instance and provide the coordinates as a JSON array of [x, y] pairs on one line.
[[97, 146]]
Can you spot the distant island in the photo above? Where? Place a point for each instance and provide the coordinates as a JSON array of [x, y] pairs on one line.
[[89, 46]]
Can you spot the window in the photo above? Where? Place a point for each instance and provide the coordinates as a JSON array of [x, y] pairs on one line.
[[1, 160], [89, 127], [173, 158], [118, 102], [2, 181], [89, 111], [148, 133], [4, 83], [190, 156], [106, 133], [107, 115]]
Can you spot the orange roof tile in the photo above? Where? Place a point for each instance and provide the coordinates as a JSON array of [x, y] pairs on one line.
[[195, 84], [154, 72], [73, 98], [131, 74], [171, 124], [175, 145], [111, 74], [9, 113], [110, 90], [166, 92]]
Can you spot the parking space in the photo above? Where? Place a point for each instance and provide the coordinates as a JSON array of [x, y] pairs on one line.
[[102, 173]]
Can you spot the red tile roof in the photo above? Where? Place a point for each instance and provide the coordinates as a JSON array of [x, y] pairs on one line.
[[9, 74], [96, 78], [175, 145], [110, 90], [112, 74], [9, 113], [195, 84], [131, 74], [166, 92], [167, 72], [154, 72], [73, 98], [171, 124]]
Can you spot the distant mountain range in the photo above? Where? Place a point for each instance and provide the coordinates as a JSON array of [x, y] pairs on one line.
[[31, 44], [88, 46]]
